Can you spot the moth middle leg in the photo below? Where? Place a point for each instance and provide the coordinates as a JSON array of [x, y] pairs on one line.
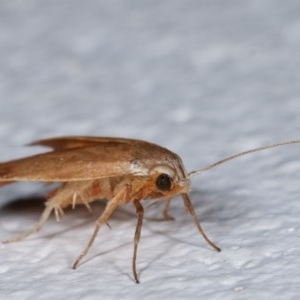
[[140, 214], [111, 205]]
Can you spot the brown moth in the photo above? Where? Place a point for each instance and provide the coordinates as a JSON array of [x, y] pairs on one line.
[[117, 169]]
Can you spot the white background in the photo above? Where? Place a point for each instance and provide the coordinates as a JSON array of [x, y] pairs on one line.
[[203, 78]]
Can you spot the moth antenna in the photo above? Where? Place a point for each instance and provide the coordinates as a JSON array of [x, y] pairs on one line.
[[196, 172]]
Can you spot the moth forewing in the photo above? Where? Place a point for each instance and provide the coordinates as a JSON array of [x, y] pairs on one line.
[[87, 159]]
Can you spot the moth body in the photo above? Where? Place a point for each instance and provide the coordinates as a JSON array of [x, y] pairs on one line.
[[116, 169]]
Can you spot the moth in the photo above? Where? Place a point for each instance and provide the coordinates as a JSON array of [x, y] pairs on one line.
[[119, 170]]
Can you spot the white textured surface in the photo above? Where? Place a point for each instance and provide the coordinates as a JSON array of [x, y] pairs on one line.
[[203, 78]]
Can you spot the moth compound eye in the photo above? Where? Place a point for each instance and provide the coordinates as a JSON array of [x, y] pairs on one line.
[[163, 182]]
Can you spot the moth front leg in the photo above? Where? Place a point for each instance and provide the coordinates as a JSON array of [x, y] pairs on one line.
[[166, 215], [190, 209]]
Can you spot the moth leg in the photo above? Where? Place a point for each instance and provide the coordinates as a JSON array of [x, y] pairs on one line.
[[103, 219], [56, 202], [82, 201], [140, 213], [44, 217], [166, 214], [190, 209]]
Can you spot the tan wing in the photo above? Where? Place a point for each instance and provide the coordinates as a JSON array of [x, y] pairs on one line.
[[86, 158], [68, 142]]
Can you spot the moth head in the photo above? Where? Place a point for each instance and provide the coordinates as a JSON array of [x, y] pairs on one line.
[[166, 182]]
